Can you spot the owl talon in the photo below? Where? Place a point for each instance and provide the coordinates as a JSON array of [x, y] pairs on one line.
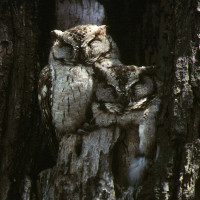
[[86, 129], [82, 132]]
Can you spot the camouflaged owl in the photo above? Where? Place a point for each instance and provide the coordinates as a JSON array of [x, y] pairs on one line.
[[85, 80], [66, 84]]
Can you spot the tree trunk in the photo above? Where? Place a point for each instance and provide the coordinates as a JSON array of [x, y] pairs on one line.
[[19, 72], [161, 33]]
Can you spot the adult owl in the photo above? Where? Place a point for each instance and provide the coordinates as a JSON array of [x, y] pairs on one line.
[[66, 84]]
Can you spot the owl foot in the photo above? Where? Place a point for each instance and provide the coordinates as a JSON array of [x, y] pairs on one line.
[[86, 129], [82, 132]]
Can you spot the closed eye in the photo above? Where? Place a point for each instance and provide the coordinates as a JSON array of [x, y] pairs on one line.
[[63, 44], [62, 60], [93, 40]]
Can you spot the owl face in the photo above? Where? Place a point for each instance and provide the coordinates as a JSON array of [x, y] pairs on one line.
[[96, 47], [82, 44]]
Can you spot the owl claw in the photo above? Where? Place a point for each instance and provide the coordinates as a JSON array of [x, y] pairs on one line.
[[82, 132], [86, 129]]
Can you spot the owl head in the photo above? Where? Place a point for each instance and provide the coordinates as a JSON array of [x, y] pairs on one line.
[[83, 44]]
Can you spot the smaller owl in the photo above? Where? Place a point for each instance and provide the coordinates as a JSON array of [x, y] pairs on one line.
[[131, 99]]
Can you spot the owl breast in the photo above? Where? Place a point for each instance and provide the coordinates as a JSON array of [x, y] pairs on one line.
[[72, 91]]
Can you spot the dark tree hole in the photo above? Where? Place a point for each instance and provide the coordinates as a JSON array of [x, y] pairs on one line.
[[125, 22], [47, 23]]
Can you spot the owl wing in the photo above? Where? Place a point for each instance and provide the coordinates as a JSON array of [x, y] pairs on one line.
[[45, 102]]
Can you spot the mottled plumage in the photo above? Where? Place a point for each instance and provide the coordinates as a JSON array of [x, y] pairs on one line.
[[84, 72], [45, 102], [66, 85]]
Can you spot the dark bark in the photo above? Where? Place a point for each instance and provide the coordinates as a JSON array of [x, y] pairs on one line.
[[20, 68], [164, 33]]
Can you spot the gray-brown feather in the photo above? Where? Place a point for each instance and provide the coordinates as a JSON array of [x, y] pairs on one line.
[[45, 102], [84, 62]]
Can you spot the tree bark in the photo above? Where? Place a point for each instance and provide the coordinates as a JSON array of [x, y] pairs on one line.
[[19, 72], [163, 33]]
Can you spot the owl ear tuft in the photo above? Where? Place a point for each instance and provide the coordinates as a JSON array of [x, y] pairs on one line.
[[57, 34], [102, 30]]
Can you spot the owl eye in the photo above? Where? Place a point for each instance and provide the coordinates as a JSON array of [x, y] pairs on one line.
[[94, 40], [64, 52], [90, 42], [63, 61], [66, 45]]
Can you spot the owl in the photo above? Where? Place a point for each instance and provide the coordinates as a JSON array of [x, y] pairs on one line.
[[128, 97], [85, 80], [134, 104], [66, 84]]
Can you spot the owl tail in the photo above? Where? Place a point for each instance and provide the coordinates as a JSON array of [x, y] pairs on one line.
[[137, 170]]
